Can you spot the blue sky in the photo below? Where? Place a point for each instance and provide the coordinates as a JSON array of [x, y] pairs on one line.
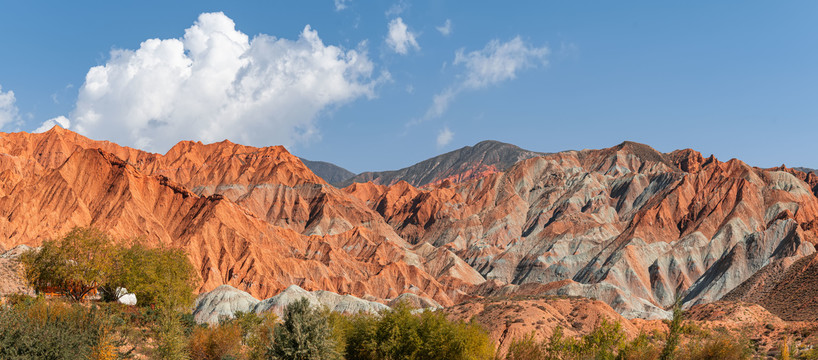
[[736, 79]]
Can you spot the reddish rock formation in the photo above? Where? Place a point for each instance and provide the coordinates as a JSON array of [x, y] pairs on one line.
[[628, 225], [787, 289], [228, 241]]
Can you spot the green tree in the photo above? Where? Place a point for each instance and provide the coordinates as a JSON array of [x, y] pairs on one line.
[[304, 335], [669, 351], [158, 276], [75, 265]]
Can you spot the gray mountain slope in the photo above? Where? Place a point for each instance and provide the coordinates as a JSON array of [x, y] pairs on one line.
[[460, 164]]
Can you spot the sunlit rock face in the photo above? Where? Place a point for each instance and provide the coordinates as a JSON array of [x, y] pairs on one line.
[[630, 226]]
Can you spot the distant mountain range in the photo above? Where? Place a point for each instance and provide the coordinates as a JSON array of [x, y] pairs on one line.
[[330, 172], [456, 166]]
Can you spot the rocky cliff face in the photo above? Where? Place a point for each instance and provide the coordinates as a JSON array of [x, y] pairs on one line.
[[630, 226], [256, 219], [627, 225]]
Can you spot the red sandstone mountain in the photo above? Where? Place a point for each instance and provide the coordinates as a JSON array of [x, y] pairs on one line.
[[259, 220], [627, 225]]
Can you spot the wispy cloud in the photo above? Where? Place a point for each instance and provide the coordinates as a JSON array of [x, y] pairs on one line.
[[399, 38], [495, 63], [498, 62], [341, 4], [397, 8], [440, 103], [446, 28], [444, 137]]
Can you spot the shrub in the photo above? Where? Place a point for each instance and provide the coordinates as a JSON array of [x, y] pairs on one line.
[[260, 338], [721, 346], [525, 348], [216, 343], [304, 335], [606, 341], [400, 334], [640, 348], [171, 343], [39, 329]]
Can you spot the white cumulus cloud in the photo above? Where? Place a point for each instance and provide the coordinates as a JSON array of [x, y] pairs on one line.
[[444, 137], [400, 39], [8, 108], [48, 124], [495, 63], [446, 28], [216, 83]]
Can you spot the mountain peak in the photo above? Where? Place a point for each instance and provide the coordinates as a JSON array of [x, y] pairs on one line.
[[463, 164]]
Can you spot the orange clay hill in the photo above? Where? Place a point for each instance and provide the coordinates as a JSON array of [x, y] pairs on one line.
[[629, 226]]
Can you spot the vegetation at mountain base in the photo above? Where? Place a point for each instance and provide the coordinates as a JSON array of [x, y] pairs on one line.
[[75, 265], [401, 334], [607, 341], [672, 341], [87, 260], [158, 276], [38, 327], [305, 334]]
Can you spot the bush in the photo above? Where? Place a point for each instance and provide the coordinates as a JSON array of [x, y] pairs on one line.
[[260, 337], [217, 342], [606, 341], [171, 343], [400, 334], [720, 346], [640, 348], [39, 329], [304, 335], [525, 348]]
